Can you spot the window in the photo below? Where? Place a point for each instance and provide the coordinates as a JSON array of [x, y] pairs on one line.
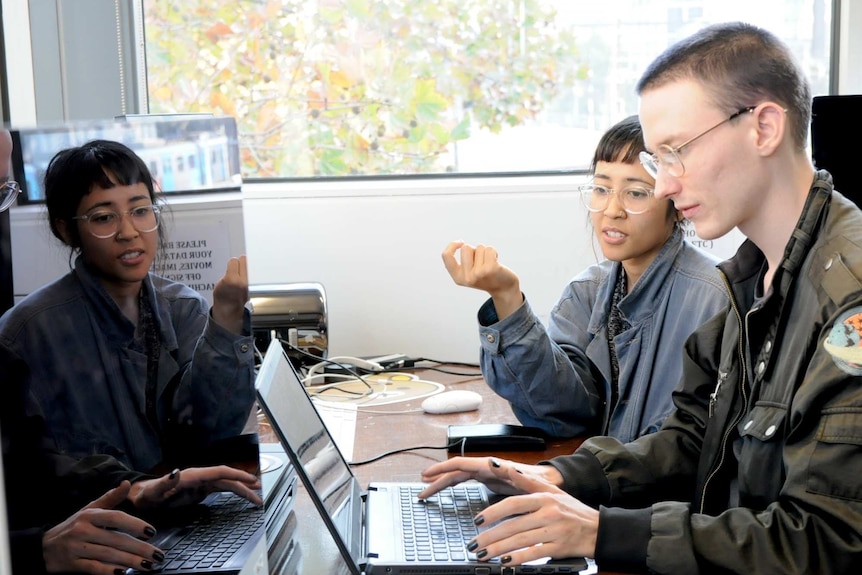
[[405, 87]]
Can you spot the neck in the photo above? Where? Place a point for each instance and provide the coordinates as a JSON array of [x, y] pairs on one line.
[[775, 219]]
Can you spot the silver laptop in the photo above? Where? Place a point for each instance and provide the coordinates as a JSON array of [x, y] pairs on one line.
[[385, 529]]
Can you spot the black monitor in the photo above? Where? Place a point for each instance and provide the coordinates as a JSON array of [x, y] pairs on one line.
[[835, 120]]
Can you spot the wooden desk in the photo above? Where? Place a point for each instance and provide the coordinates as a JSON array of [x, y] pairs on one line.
[[377, 433]]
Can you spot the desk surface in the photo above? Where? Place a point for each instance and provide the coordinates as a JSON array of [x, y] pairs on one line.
[[378, 432]]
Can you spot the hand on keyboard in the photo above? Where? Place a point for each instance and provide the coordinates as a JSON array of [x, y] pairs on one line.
[[192, 485]]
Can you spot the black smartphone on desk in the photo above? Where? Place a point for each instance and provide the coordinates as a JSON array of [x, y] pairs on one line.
[[494, 437]]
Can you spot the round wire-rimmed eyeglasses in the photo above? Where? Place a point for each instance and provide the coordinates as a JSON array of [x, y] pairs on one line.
[[668, 156], [9, 191], [105, 224], [635, 200]]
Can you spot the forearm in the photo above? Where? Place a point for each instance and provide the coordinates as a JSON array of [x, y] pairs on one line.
[[546, 387], [217, 386]]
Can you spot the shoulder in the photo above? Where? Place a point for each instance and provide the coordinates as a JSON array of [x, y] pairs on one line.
[[61, 292], [698, 266], [594, 275]]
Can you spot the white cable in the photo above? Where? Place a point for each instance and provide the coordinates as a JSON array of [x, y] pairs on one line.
[[350, 361]]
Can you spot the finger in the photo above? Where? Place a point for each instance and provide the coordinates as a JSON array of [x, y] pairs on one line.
[[218, 472], [112, 498], [454, 464], [120, 550], [243, 269], [165, 486], [240, 489], [444, 481], [449, 259]]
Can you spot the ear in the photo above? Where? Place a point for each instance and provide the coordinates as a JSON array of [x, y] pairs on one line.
[[63, 228], [771, 127]]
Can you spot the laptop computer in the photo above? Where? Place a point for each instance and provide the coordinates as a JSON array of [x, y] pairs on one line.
[[226, 534], [381, 529]]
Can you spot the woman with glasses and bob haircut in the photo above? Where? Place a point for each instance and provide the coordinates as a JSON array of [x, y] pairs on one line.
[[121, 361], [612, 350]]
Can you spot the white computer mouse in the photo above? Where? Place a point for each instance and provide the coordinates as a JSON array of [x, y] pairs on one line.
[[453, 401]]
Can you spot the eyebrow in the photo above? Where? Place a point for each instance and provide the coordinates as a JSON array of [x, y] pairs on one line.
[[627, 180], [110, 204]]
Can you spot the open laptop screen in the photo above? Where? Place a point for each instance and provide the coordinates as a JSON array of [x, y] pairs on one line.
[[298, 424]]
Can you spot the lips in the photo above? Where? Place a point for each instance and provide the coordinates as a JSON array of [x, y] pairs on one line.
[[131, 257], [613, 236]]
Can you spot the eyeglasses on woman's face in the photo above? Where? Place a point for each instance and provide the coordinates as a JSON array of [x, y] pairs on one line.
[[668, 157], [9, 191], [634, 200], [106, 224]]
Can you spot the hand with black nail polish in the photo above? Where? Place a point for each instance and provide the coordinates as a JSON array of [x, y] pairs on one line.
[[99, 537], [192, 485]]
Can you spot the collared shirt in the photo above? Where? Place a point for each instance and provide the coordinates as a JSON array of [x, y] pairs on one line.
[[89, 379]]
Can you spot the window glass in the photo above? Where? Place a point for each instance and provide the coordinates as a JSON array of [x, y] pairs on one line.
[[332, 88]]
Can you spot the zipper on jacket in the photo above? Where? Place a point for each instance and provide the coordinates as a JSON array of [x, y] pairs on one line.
[[722, 376], [740, 350]]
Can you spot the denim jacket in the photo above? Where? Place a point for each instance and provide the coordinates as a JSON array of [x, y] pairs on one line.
[[88, 378], [559, 378]]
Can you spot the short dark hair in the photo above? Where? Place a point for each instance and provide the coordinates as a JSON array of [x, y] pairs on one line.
[[739, 65], [74, 172], [623, 142]]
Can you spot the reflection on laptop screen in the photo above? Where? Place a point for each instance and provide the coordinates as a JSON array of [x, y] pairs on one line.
[[5, 559], [321, 460]]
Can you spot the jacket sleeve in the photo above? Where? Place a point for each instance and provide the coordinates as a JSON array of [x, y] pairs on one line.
[[549, 383], [815, 521], [215, 381]]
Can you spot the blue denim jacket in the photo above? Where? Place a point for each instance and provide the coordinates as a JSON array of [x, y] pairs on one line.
[[559, 378], [89, 380]]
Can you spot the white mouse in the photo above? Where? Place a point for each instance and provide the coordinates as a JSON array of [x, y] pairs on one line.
[[453, 401]]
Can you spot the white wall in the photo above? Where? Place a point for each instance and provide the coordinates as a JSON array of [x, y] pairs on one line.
[[377, 253]]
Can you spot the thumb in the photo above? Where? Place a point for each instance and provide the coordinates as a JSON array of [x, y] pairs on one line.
[[112, 498]]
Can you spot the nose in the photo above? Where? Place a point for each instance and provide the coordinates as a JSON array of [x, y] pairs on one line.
[[666, 186], [615, 208], [125, 228]]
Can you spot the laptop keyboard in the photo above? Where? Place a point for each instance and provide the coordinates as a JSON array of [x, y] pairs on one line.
[[439, 528], [211, 540]]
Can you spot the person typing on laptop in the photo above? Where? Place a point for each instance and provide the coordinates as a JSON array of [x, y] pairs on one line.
[[45, 488], [757, 468]]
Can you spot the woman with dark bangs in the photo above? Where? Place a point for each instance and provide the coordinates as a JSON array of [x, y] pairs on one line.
[[612, 350], [121, 361]]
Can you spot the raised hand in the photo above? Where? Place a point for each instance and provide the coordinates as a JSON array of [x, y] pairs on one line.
[[192, 485], [230, 295], [479, 268], [101, 540]]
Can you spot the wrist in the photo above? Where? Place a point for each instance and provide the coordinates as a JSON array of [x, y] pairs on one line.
[[506, 302]]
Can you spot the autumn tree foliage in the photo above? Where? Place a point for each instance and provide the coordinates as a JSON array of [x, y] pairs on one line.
[[356, 87]]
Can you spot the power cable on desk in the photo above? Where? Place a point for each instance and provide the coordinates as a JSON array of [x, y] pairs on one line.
[[345, 367], [417, 360], [462, 441]]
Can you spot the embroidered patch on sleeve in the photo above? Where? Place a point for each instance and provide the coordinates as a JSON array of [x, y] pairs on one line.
[[844, 342]]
